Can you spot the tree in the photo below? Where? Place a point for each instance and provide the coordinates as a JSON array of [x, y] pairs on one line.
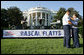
[[73, 11], [59, 15], [15, 16], [11, 17], [4, 18], [79, 16]]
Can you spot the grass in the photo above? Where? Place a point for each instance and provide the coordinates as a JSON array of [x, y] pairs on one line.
[[38, 46]]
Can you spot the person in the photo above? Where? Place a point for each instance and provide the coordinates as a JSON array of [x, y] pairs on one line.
[[74, 22], [66, 27]]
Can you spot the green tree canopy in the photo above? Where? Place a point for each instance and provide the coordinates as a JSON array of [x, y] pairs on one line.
[[79, 16], [11, 16], [15, 16], [4, 18], [61, 13]]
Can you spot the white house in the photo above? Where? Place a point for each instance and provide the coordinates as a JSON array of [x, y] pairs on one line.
[[39, 16]]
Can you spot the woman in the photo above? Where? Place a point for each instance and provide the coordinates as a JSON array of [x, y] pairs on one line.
[[74, 21]]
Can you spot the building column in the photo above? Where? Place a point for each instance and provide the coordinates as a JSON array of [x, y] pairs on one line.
[[32, 19], [41, 17], [48, 19], [29, 20], [36, 19], [45, 19]]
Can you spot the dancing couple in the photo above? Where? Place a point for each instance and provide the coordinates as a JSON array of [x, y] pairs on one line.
[[70, 23]]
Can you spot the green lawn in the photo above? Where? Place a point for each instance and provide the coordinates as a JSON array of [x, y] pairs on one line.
[[38, 46]]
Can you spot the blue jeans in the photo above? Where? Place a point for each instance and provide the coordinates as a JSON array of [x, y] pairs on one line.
[[75, 37], [66, 35]]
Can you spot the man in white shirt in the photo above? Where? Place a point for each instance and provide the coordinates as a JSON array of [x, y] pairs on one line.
[[66, 27]]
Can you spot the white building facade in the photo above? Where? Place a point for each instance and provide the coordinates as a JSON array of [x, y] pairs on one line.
[[39, 16]]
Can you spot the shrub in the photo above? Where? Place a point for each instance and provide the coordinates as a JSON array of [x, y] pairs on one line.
[[81, 30]]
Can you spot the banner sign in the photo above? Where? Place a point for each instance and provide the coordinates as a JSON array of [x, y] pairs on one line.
[[33, 33]]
